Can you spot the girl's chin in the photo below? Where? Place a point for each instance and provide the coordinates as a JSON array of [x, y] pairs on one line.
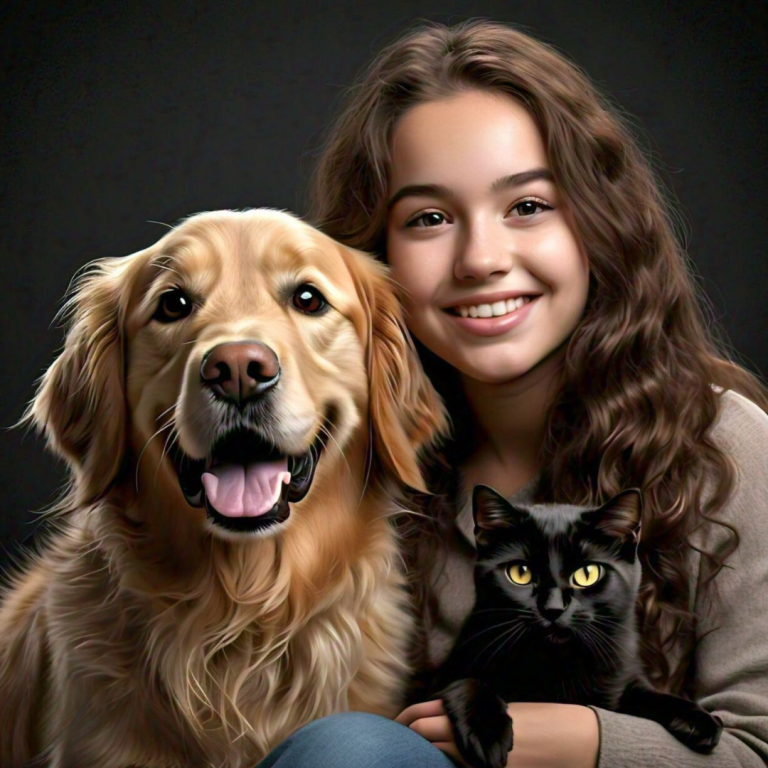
[[494, 378], [492, 372], [491, 369]]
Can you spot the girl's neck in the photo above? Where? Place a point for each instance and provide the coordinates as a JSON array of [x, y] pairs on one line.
[[511, 416]]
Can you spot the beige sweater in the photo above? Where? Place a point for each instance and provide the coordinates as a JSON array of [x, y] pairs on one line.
[[731, 662]]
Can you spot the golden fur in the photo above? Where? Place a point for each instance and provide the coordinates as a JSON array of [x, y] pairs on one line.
[[144, 636]]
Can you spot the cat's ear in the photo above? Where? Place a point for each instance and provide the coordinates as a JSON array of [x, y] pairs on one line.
[[621, 518], [491, 511]]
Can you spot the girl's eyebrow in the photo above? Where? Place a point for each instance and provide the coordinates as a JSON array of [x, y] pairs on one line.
[[439, 190]]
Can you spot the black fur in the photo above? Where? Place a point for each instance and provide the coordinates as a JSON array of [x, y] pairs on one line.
[[549, 640]]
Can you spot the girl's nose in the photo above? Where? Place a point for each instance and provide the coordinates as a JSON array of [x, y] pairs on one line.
[[482, 253]]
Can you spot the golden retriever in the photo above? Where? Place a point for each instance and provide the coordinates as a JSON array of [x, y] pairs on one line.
[[239, 405]]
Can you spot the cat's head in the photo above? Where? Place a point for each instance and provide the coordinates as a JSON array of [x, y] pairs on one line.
[[562, 568]]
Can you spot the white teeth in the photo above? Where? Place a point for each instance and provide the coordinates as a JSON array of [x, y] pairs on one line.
[[497, 309]]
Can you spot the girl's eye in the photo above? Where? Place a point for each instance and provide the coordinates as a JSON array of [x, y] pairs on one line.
[[524, 208], [586, 576], [173, 305], [519, 574], [430, 219], [308, 299], [529, 207]]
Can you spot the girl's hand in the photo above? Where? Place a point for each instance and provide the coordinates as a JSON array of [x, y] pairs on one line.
[[429, 720], [546, 735]]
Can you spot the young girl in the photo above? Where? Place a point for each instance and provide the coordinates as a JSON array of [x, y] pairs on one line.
[[553, 311]]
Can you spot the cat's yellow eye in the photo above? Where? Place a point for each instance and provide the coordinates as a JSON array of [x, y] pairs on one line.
[[519, 573], [586, 576]]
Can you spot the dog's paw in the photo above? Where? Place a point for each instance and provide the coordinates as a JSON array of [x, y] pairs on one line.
[[481, 726], [697, 729]]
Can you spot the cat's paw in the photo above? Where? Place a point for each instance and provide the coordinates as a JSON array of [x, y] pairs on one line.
[[697, 729], [481, 726]]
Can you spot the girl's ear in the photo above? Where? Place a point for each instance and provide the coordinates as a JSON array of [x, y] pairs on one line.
[[407, 415], [80, 402]]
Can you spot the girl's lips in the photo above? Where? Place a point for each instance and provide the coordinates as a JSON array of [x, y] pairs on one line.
[[493, 326]]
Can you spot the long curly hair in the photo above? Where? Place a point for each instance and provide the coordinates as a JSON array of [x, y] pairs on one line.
[[636, 400]]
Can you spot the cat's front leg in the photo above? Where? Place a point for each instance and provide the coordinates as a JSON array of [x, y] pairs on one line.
[[684, 719], [481, 726]]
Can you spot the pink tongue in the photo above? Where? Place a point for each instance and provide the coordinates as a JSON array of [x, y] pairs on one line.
[[238, 491]]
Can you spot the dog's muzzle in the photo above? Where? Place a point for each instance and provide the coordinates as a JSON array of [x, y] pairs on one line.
[[246, 482]]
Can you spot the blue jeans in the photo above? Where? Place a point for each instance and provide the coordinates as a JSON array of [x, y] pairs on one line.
[[355, 740]]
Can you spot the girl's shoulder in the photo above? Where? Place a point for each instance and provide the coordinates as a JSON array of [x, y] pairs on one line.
[[741, 432], [738, 411]]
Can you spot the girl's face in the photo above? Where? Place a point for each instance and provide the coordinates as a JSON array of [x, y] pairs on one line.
[[493, 274]]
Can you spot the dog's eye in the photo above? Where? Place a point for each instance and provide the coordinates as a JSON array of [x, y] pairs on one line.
[[173, 305], [308, 299]]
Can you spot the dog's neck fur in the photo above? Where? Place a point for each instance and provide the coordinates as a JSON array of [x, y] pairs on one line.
[[168, 540]]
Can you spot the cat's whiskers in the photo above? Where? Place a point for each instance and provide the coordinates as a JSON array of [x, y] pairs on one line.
[[513, 634], [588, 640], [601, 626], [487, 629], [514, 625], [608, 620], [523, 611], [608, 623], [607, 637], [596, 641]]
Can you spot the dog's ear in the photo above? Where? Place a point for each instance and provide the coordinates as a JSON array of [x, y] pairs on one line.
[[80, 401], [407, 415]]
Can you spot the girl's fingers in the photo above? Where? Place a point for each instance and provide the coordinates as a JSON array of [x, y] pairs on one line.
[[434, 729], [422, 709], [449, 748]]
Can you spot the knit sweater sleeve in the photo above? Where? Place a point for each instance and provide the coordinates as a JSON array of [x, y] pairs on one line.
[[731, 656]]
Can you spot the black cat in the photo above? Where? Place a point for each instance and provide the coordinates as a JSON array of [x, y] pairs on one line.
[[554, 621]]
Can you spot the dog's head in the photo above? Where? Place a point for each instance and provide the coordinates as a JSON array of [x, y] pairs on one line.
[[237, 354]]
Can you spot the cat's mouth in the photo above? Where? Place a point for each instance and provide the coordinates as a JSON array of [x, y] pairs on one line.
[[557, 634]]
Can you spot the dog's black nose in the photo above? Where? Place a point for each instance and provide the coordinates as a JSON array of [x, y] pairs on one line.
[[240, 370]]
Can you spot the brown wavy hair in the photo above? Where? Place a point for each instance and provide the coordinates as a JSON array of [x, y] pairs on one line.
[[636, 400]]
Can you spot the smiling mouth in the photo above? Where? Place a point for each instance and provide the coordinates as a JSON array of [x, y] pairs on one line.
[[246, 484], [491, 309]]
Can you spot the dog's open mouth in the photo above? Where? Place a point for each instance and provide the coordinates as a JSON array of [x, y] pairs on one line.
[[246, 484]]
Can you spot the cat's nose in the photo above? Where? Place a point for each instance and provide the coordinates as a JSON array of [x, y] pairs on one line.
[[554, 606], [552, 614]]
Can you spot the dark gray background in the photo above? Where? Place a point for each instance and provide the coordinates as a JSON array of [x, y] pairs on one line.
[[116, 117]]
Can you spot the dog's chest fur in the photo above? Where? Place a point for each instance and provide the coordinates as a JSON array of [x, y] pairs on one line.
[[184, 685]]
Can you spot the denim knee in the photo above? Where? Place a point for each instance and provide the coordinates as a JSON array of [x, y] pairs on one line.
[[355, 740]]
